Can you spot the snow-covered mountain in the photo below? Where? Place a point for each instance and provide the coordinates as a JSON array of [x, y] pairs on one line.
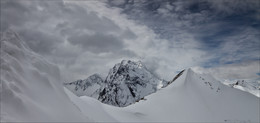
[[31, 91], [31, 88], [192, 97], [248, 85], [92, 86], [126, 83]]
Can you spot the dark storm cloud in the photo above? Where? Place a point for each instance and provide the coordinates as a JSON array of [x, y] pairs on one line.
[[9, 10], [66, 32], [48, 23], [97, 42], [26, 17], [84, 37], [128, 34], [21, 12], [41, 42], [83, 19]]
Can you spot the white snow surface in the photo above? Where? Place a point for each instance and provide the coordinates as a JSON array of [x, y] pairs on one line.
[[248, 85], [31, 90], [191, 98]]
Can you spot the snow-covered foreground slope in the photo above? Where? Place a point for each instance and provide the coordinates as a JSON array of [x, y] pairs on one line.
[[31, 90], [191, 98]]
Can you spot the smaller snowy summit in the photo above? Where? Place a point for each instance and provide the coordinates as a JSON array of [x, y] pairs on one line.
[[91, 86], [248, 85]]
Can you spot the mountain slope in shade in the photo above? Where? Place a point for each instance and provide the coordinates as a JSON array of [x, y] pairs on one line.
[[31, 90], [128, 82], [190, 98]]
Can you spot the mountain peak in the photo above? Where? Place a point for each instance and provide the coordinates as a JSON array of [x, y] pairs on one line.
[[128, 68], [132, 64], [124, 62], [127, 82]]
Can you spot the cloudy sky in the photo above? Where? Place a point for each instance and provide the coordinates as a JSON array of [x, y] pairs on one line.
[[87, 37]]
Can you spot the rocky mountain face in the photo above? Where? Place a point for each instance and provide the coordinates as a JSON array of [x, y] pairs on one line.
[[126, 83]]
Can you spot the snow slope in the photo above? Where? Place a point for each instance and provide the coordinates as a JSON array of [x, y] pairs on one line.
[[191, 98], [31, 90], [248, 85]]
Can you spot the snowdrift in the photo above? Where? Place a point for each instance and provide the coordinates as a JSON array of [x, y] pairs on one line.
[[31, 90]]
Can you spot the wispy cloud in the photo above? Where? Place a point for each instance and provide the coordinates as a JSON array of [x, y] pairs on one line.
[[243, 70], [227, 31]]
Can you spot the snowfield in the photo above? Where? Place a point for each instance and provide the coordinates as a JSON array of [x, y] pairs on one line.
[[31, 91], [191, 98], [248, 85]]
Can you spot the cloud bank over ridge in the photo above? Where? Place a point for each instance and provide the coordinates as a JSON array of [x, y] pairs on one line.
[[87, 37]]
